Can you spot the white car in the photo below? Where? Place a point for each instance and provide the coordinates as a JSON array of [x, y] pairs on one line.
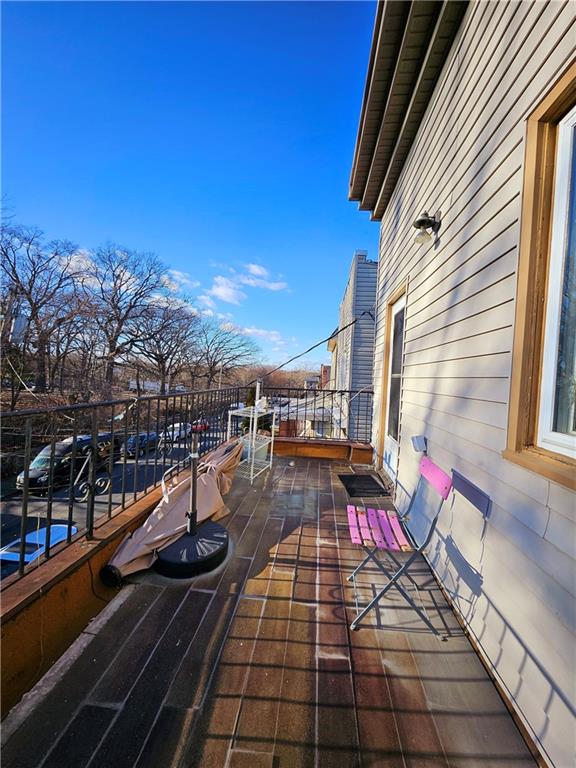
[[176, 432]]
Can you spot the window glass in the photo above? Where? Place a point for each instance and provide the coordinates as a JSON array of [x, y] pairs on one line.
[[396, 374], [29, 547], [394, 407], [557, 427], [564, 419], [40, 462]]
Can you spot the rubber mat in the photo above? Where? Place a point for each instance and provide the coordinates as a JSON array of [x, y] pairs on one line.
[[362, 485]]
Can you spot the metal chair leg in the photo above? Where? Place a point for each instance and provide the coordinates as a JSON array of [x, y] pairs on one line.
[[383, 591], [362, 564]]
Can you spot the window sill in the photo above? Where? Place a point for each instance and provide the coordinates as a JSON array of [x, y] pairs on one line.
[[560, 469]]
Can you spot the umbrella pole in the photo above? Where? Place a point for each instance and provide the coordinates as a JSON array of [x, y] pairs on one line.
[[192, 513], [199, 549]]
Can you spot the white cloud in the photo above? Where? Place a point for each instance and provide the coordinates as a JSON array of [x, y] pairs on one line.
[[273, 337], [227, 290], [178, 280], [81, 262], [262, 333], [230, 288], [256, 269], [173, 302], [258, 282], [206, 301]]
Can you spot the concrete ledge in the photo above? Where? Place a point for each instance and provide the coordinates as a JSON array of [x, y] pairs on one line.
[[44, 612], [346, 450]]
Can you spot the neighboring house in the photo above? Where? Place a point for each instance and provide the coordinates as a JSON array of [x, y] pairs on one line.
[[353, 348], [311, 382], [469, 110], [333, 349]]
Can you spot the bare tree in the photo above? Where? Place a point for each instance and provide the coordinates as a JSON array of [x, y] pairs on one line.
[[41, 276], [167, 334], [282, 379], [68, 336], [222, 349], [121, 286]]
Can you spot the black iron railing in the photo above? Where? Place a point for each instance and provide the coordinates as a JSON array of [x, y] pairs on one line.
[[323, 413], [67, 469]]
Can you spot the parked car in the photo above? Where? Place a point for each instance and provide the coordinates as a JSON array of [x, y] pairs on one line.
[[39, 478], [35, 543], [200, 425], [176, 432], [139, 444]]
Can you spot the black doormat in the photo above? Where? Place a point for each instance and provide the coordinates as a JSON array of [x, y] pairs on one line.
[[362, 485]]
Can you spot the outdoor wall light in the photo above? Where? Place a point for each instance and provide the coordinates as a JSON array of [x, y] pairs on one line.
[[419, 443], [424, 222]]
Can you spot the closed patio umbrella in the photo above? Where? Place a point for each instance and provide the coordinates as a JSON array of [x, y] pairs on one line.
[[168, 521]]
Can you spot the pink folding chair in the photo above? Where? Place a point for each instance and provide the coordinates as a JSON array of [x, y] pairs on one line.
[[377, 530]]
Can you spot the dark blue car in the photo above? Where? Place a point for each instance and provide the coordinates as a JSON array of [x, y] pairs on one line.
[[140, 444]]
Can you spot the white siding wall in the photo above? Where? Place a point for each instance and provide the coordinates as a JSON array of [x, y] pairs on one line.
[[512, 577]]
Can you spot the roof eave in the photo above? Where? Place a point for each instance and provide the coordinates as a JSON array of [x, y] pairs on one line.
[[373, 182]]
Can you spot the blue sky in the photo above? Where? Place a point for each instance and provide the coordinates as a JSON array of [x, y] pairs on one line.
[[218, 135]]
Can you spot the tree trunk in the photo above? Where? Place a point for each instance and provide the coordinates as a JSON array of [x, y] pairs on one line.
[[109, 377], [14, 392], [62, 373], [110, 363], [42, 344]]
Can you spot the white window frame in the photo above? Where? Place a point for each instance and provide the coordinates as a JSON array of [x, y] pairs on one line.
[[547, 438]]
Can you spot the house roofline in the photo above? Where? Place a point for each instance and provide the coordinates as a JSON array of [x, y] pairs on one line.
[[410, 44]]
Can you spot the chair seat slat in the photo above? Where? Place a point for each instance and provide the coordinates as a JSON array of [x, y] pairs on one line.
[[398, 532], [376, 531], [353, 525], [364, 528], [387, 531]]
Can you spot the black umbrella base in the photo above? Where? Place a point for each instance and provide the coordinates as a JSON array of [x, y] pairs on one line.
[[191, 555]]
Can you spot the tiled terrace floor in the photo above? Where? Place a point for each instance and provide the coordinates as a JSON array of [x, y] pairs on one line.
[[254, 666]]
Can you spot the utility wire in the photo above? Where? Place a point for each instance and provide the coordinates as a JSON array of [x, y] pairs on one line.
[[332, 336]]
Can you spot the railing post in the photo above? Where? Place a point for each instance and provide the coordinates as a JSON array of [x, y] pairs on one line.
[[92, 476], [25, 491], [71, 478], [50, 492], [111, 460]]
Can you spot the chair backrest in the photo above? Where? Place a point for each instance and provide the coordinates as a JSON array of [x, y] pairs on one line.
[[433, 487]]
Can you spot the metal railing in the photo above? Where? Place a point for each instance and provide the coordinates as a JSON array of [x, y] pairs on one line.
[[67, 469], [326, 414]]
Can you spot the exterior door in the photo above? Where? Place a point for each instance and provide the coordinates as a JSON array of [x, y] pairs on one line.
[[394, 387]]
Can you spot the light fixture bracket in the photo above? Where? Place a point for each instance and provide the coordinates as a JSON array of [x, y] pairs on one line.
[[425, 221]]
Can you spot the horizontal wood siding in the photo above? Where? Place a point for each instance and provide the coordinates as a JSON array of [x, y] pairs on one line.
[[511, 575]]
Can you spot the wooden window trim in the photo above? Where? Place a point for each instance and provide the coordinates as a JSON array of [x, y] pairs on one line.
[[401, 290], [535, 234]]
